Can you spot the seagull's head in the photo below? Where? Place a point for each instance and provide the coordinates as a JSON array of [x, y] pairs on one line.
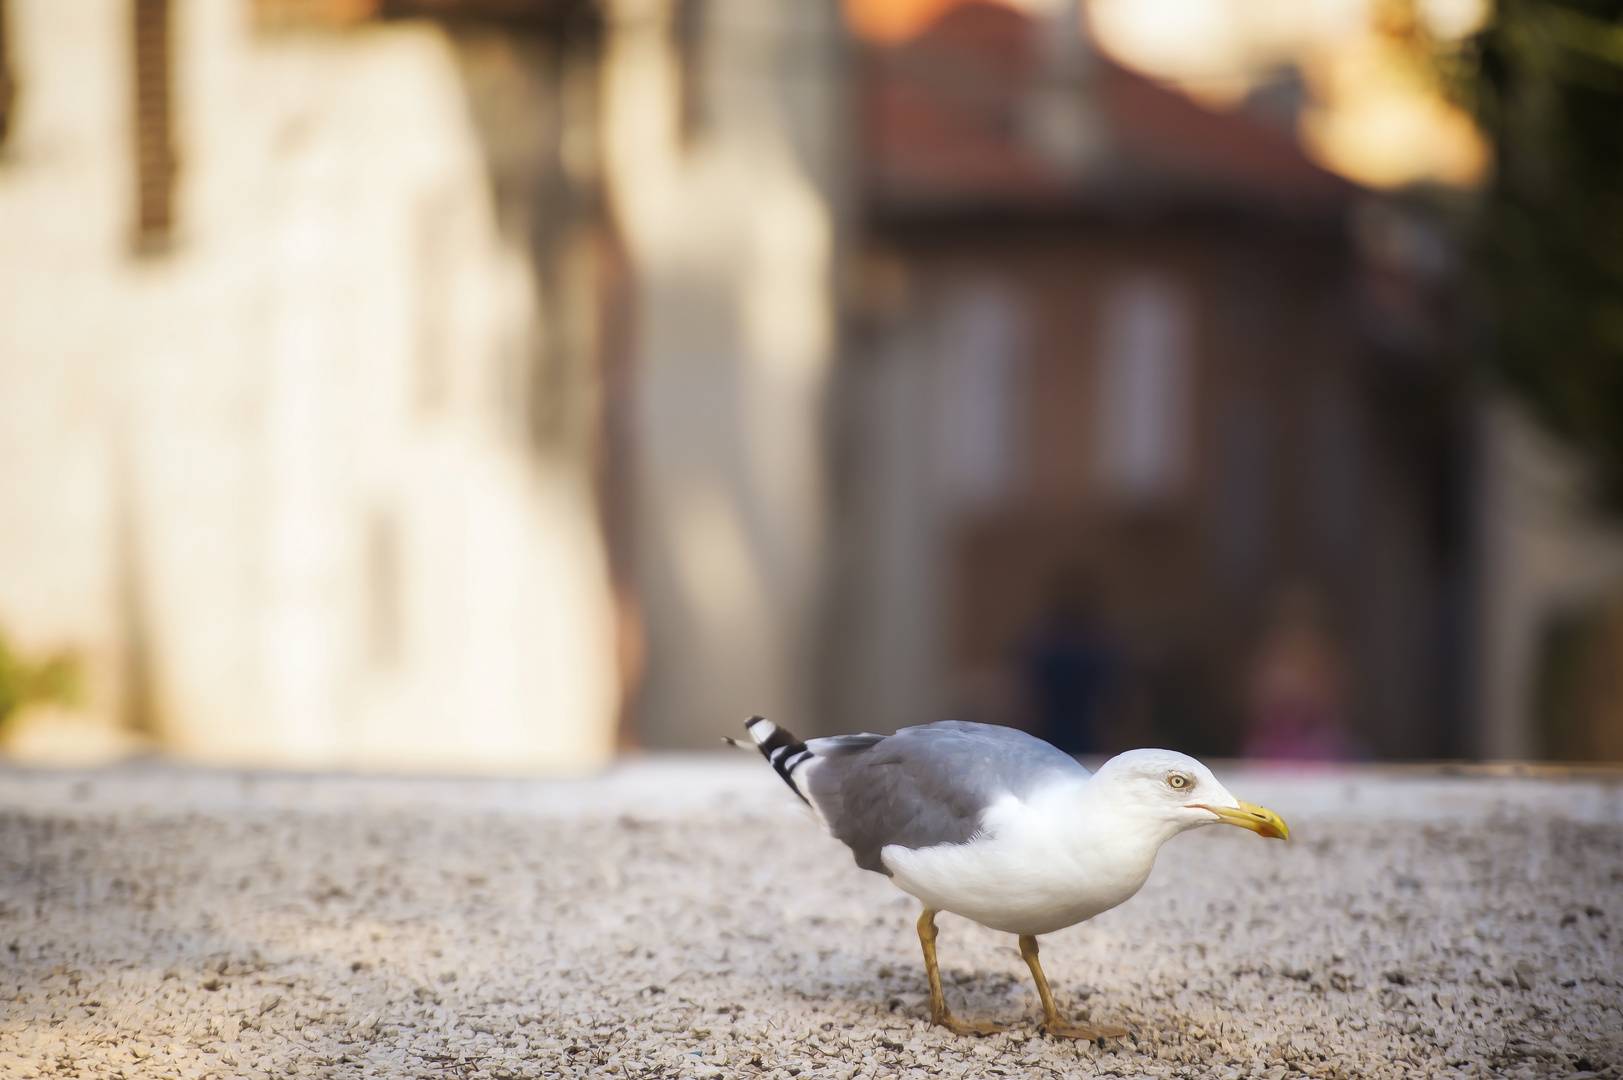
[[1177, 792]]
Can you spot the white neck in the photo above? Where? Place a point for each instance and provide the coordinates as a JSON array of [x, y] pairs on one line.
[[1106, 826]]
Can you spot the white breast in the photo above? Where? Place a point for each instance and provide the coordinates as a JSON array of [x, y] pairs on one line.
[[1034, 868]]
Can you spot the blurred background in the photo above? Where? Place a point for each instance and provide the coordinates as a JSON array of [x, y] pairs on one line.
[[502, 385]]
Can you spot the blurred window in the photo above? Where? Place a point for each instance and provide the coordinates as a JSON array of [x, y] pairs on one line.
[[688, 29], [383, 588], [978, 395], [1142, 407], [8, 83], [154, 136], [1333, 482], [435, 263], [1243, 443]]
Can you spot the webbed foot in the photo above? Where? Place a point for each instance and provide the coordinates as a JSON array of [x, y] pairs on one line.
[[968, 1027], [1065, 1029]]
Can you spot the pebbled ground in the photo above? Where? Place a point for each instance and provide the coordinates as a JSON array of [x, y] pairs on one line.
[[681, 918]]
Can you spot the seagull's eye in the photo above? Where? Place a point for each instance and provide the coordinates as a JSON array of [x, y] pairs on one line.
[[1179, 782]]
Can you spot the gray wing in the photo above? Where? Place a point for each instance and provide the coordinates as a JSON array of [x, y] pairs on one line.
[[925, 785]]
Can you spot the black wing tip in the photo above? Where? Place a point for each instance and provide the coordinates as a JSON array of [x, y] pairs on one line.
[[781, 749]]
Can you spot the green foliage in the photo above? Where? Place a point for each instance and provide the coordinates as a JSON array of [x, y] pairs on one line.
[[53, 680], [1545, 80]]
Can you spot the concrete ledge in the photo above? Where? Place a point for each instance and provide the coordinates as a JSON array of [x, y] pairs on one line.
[[690, 783], [682, 917]]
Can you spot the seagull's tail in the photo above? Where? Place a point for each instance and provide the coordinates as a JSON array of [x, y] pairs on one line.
[[778, 746]]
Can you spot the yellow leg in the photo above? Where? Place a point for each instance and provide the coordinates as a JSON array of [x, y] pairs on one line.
[[1053, 1024], [939, 1013]]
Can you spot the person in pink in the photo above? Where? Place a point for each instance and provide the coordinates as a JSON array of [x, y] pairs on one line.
[[1297, 689]]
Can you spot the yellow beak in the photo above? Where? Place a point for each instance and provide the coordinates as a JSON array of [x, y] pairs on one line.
[[1260, 821]]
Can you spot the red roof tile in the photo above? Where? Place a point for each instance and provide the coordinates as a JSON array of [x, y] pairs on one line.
[[945, 128]]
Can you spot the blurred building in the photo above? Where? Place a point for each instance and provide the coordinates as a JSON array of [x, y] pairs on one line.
[[302, 392], [1104, 339], [408, 382], [486, 384]]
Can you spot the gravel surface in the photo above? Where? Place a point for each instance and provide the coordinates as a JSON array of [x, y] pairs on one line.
[[682, 918]]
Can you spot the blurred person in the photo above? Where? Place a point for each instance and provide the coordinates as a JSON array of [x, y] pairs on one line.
[[1069, 667], [1297, 690]]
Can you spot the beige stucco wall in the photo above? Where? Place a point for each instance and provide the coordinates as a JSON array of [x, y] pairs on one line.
[[732, 226], [278, 475]]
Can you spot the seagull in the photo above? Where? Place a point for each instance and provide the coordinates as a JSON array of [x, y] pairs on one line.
[[1002, 828]]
